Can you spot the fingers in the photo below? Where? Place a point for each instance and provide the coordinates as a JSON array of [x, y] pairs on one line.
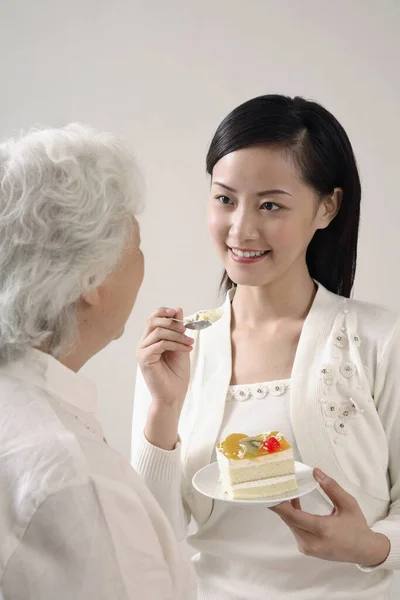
[[178, 313], [307, 543], [166, 312], [297, 518], [167, 323], [340, 498], [296, 503], [163, 317], [152, 354], [161, 333]]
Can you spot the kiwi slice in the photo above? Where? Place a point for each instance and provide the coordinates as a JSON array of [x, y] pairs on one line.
[[250, 445]]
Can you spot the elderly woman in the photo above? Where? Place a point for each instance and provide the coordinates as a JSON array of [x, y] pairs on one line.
[[76, 522]]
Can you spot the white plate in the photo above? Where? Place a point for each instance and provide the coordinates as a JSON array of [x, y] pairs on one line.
[[206, 481]]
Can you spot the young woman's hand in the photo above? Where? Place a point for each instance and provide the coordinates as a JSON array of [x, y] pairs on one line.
[[342, 536], [163, 357]]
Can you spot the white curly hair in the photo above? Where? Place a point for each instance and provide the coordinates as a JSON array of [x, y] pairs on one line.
[[67, 197]]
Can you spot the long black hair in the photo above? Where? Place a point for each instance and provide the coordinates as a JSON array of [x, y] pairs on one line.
[[323, 153]]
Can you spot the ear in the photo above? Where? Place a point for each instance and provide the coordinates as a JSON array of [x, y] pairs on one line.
[[91, 298], [329, 208]]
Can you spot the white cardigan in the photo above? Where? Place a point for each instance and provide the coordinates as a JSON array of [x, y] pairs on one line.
[[345, 411]]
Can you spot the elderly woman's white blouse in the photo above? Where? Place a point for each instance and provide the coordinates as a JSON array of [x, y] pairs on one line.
[[76, 522]]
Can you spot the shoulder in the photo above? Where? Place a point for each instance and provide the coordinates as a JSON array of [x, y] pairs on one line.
[[45, 454], [375, 321], [375, 324], [381, 315]]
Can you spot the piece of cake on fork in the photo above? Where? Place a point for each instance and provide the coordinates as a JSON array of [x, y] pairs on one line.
[[256, 467]]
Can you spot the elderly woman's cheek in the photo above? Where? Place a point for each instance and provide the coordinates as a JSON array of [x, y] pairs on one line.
[[131, 282], [137, 275]]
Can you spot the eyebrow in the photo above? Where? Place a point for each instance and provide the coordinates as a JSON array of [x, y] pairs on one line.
[[262, 194]]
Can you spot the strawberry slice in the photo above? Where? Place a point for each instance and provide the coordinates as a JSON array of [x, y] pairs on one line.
[[272, 444]]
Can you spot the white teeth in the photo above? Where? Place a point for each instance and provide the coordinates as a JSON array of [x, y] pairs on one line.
[[247, 254]]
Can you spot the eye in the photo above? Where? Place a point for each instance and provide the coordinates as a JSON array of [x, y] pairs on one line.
[[224, 200], [270, 207]]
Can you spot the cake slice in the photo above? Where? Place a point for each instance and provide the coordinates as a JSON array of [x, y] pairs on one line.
[[256, 467]]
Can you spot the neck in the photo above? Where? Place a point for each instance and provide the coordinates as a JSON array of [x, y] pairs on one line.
[[74, 360], [79, 354], [289, 297]]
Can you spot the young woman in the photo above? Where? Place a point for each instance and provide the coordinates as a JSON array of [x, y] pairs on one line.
[[292, 353]]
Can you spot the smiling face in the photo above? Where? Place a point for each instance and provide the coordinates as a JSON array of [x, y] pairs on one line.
[[262, 216]]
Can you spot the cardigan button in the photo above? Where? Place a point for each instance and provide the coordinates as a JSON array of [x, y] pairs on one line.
[[348, 369], [331, 410], [341, 427]]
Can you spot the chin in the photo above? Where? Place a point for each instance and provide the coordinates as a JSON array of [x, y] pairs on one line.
[[252, 282], [251, 279], [120, 334]]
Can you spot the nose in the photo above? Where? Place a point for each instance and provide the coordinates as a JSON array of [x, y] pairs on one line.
[[243, 227]]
